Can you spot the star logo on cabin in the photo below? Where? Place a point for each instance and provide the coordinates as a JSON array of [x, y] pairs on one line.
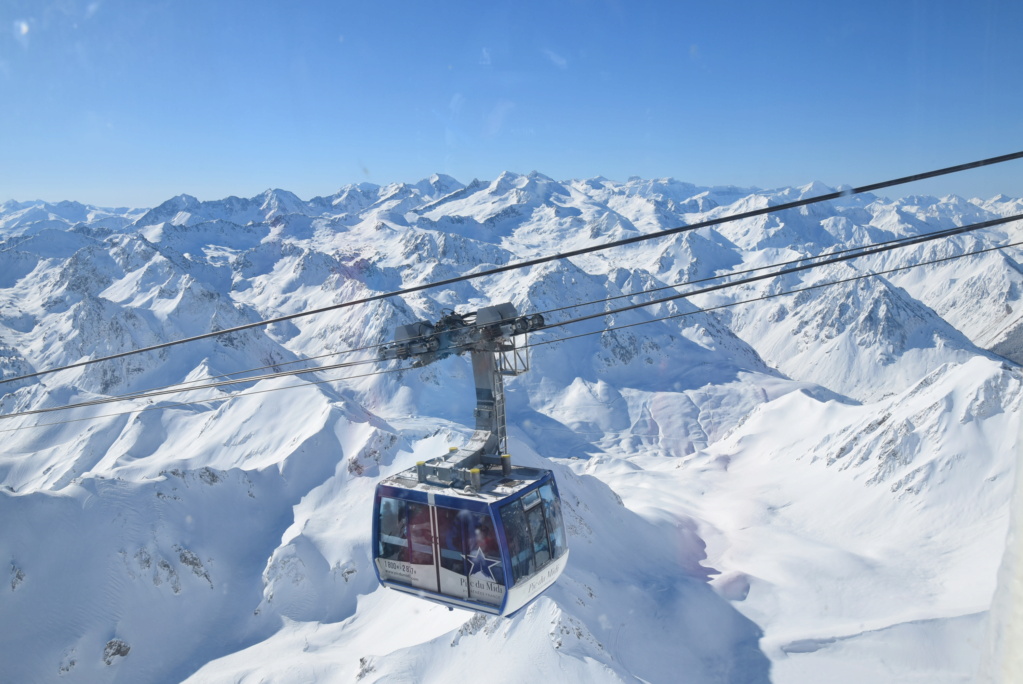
[[480, 563]]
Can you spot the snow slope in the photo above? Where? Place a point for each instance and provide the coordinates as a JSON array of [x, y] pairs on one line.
[[804, 488]]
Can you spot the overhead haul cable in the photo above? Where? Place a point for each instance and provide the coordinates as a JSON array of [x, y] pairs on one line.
[[844, 255], [834, 257], [817, 286], [796, 269], [177, 389], [895, 242], [546, 259], [344, 352], [876, 249], [178, 404], [611, 328]]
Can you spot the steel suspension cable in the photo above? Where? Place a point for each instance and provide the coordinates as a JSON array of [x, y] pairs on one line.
[[816, 286], [844, 255], [185, 383], [796, 269], [176, 389], [610, 328], [719, 276], [546, 259]]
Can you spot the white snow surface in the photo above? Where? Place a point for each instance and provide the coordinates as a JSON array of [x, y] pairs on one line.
[[804, 488]]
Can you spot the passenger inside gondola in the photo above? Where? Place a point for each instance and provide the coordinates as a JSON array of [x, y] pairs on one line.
[[484, 557], [484, 537]]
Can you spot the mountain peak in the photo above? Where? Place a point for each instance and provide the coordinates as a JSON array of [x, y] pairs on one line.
[[814, 189]]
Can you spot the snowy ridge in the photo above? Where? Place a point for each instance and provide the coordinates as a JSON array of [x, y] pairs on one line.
[[767, 492]]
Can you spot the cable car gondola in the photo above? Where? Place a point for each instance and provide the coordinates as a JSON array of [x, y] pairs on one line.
[[493, 550], [469, 529]]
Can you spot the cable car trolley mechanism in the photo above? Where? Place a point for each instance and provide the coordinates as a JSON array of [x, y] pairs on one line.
[[470, 529]]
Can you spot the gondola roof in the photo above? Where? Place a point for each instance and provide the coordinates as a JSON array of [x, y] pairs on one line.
[[494, 486]]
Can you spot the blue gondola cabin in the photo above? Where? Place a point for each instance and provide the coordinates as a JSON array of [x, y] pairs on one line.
[[491, 549]]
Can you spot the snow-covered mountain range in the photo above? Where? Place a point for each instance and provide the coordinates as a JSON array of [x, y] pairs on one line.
[[804, 488]]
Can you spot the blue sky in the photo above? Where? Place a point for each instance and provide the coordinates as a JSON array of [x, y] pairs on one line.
[[123, 102]]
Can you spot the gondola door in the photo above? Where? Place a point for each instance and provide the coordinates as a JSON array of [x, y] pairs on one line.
[[471, 561], [451, 534]]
